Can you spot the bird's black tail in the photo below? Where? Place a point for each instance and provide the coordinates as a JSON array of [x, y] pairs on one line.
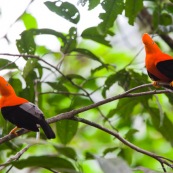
[[47, 129]]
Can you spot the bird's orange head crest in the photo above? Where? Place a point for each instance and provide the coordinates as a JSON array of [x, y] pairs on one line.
[[147, 40], [5, 87], [150, 45]]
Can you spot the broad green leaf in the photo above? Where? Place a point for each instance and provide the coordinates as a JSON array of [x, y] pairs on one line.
[[165, 127], [93, 34], [165, 19], [132, 8], [93, 4], [26, 44], [130, 133], [67, 151], [70, 42], [6, 64], [30, 65], [65, 10], [17, 85], [126, 153], [168, 7], [122, 77], [45, 162], [88, 53], [113, 165], [57, 86], [49, 32], [29, 21], [125, 109], [75, 76], [112, 9], [66, 130]]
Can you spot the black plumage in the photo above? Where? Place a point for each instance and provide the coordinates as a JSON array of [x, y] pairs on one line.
[[27, 116]]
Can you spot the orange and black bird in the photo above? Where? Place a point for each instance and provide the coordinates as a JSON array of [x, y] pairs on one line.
[[21, 112], [159, 65]]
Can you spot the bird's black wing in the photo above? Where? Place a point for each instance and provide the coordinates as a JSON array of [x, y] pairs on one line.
[[166, 68]]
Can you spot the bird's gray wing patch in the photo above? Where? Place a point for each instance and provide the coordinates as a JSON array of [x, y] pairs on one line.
[[31, 108]]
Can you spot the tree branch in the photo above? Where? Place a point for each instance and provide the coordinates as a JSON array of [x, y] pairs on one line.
[[74, 112], [161, 159], [71, 115]]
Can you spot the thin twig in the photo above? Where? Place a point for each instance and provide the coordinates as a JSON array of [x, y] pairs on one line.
[[15, 157], [127, 143]]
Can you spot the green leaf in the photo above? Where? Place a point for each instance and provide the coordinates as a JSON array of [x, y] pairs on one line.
[[70, 42], [67, 151], [93, 4], [29, 21], [45, 162], [88, 53], [66, 130], [17, 85], [122, 77], [109, 150], [165, 127], [112, 9], [58, 86], [26, 44], [165, 19], [6, 64], [132, 8], [93, 34], [168, 7], [30, 65], [65, 10], [156, 18]]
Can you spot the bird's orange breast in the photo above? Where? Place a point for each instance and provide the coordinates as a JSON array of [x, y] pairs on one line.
[[151, 62]]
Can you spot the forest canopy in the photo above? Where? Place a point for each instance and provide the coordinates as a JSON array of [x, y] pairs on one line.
[[83, 64]]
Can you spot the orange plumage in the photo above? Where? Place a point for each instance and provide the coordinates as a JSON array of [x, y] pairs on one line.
[[158, 64]]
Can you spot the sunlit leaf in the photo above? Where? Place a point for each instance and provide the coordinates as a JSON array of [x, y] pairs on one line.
[[65, 10], [29, 21], [66, 129]]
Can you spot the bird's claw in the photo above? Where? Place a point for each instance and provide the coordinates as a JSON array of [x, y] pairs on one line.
[[13, 131], [156, 84], [171, 84]]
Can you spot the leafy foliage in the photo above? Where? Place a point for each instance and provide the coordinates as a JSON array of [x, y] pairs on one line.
[[90, 65]]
